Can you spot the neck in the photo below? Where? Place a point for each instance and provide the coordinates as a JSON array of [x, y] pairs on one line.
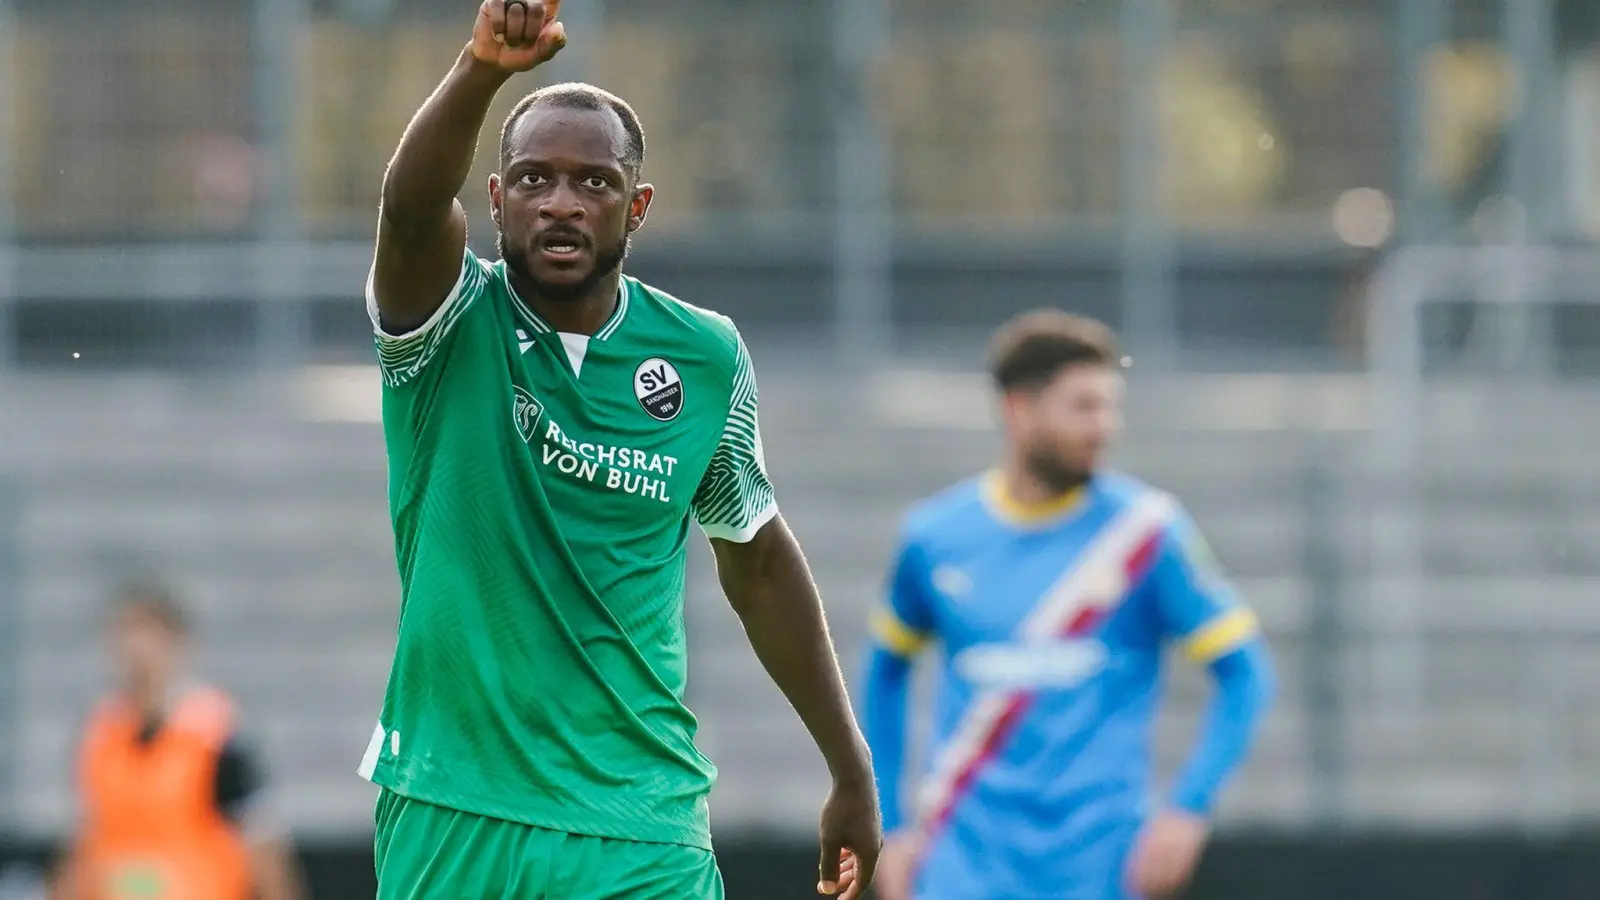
[[1027, 490], [1023, 489], [583, 314], [149, 697]]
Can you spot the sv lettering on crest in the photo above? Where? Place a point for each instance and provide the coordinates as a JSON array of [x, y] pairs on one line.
[[655, 378]]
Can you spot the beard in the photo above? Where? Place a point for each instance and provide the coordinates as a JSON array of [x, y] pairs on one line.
[[606, 261], [1056, 473]]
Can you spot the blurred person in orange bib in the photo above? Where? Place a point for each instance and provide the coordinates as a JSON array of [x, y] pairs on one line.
[[173, 802]]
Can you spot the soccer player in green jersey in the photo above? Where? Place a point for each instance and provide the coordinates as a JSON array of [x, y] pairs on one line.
[[553, 427]]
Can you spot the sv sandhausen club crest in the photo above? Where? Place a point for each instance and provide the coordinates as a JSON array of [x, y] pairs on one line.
[[659, 389], [526, 410]]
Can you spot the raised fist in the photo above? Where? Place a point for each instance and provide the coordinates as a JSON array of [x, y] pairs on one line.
[[516, 35]]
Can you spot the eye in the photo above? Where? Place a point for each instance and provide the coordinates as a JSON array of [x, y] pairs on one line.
[[597, 182], [530, 179]]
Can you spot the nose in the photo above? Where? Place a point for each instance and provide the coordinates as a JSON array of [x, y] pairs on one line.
[[561, 202]]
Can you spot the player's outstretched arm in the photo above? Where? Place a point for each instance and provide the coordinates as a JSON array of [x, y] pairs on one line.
[[422, 229], [770, 587]]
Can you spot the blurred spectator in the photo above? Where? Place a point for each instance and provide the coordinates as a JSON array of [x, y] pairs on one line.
[[173, 802]]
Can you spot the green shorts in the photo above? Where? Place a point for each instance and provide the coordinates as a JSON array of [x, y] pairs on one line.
[[426, 852]]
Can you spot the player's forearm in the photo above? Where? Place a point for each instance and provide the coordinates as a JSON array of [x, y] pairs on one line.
[[435, 155], [1244, 688], [770, 587], [66, 882], [883, 720]]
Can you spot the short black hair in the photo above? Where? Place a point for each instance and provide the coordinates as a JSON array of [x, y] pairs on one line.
[[147, 596], [1031, 349], [576, 95]]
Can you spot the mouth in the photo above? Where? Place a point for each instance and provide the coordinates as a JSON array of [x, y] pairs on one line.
[[561, 246]]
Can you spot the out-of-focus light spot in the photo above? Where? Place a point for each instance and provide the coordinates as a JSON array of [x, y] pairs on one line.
[[1364, 217], [1266, 142]]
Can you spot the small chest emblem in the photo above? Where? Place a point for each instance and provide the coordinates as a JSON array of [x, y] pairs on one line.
[[659, 388], [952, 582], [526, 410]]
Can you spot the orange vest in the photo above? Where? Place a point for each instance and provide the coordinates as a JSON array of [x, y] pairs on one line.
[[152, 830]]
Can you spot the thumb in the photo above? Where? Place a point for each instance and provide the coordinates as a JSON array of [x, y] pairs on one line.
[[828, 871], [553, 38]]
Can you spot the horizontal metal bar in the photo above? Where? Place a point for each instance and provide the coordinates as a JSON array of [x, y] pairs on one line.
[[203, 272]]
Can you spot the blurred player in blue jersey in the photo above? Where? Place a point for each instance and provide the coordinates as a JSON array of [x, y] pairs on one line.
[[1052, 588]]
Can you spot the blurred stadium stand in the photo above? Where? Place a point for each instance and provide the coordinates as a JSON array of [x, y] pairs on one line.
[[186, 380]]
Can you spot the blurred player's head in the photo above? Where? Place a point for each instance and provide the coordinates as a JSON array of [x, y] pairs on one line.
[[568, 194], [1060, 383], [148, 632]]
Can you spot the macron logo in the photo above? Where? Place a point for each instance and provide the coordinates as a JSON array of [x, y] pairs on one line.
[[523, 341]]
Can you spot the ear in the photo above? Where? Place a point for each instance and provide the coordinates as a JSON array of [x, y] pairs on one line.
[[640, 206], [1014, 406], [494, 197]]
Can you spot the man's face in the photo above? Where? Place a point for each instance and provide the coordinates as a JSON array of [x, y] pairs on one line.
[[1063, 427], [144, 648], [564, 204]]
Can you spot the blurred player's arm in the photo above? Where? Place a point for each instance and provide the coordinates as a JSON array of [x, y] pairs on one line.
[[422, 228], [66, 881], [765, 577], [900, 630], [244, 798], [1198, 606], [67, 877], [1216, 630]]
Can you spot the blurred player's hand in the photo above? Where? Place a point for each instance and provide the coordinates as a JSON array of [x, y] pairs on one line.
[[896, 867], [516, 35], [852, 836], [1166, 854]]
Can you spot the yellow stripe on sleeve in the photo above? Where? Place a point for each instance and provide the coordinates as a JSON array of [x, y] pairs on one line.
[[896, 636], [1222, 635]]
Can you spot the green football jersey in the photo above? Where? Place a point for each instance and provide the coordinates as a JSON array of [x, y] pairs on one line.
[[542, 486]]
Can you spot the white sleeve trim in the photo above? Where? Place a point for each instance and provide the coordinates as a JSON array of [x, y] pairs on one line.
[[745, 534], [427, 326], [369, 759]]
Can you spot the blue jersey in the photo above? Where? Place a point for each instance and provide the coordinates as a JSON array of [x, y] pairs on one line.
[[1052, 625]]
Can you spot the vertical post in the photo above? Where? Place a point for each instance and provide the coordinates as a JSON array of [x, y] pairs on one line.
[[1148, 304], [278, 29], [8, 209], [863, 245], [1325, 638], [1395, 351], [1420, 32], [10, 657], [1527, 335], [1546, 758]]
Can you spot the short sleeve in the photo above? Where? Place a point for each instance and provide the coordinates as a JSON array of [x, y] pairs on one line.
[[735, 497], [1197, 603], [401, 357], [903, 623]]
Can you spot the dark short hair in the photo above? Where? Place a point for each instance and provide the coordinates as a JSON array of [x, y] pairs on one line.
[[576, 95], [149, 597], [1031, 349]]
